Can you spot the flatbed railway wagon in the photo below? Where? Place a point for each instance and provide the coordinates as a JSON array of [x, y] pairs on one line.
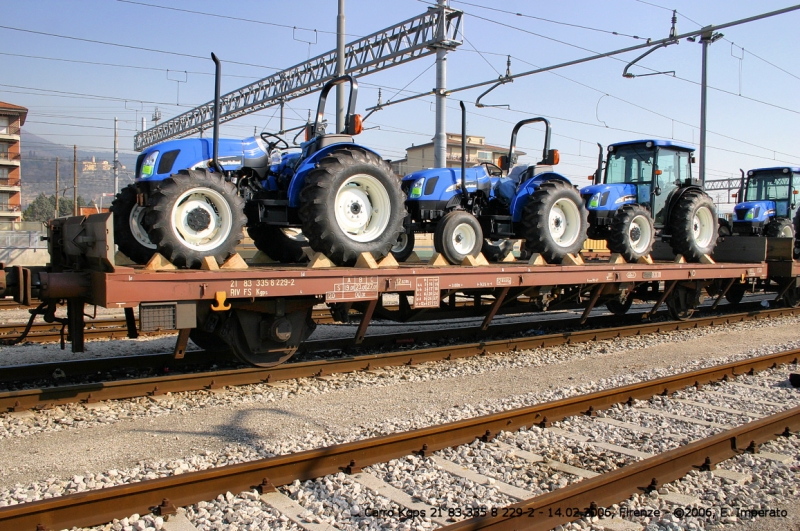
[[263, 314]]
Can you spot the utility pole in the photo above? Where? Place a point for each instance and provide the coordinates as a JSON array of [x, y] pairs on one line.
[[75, 180], [706, 38], [340, 94], [440, 137], [56, 188], [116, 158]]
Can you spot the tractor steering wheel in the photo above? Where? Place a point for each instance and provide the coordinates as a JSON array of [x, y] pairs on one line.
[[272, 145], [494, 173]]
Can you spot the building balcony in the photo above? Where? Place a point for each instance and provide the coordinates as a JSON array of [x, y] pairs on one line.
[[9, 159], [10, 212], [9, 133], [10, 185]]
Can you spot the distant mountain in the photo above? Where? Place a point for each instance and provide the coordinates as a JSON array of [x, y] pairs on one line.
[[38, 164]]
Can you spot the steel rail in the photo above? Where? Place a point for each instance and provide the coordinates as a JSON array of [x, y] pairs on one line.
[[154, 386], [100, 506]]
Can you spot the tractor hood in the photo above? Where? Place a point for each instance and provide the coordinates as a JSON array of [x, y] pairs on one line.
[[162, 160], [442, 183], [751, 211], [609, 196]]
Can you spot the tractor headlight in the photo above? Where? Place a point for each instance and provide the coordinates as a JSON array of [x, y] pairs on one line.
[[751, 213], [149, 165], [416, 188], [594, 201]]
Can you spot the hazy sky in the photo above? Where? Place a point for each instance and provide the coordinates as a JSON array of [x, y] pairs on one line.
[[752, 119]]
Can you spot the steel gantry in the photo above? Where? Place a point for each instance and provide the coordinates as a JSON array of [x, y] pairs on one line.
[[414, 38]]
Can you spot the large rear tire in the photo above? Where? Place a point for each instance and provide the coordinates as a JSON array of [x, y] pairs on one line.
[[352, 204], [130, 234], [281, 244], [555, 221], [694, 226], [458, 235], [632, 233], [195, 214]]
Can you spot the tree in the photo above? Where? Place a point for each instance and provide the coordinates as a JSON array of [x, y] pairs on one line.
[[43, 207]]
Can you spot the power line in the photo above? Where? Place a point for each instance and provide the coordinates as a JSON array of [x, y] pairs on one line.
[[552, 21], [128, 46]]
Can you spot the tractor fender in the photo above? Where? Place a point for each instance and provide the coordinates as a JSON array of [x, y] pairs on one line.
[[675, 197], [527, 189], [298, 182]]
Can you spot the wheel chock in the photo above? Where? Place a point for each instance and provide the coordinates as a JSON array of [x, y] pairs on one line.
[[209, 263], [646, 259], [319, 261], [680, 259], [482, 261], [509, 258], [537, 259], [414, 258], [616, 258], [159, 263], [469, 261], [366, 261], [234, 262], [572, 259], [706, 259], [438, 260], [388, 262]]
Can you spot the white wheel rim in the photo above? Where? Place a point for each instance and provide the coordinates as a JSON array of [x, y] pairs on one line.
[[703, 226], [787, 232], [639, 234], [363, 208], [295, 235], [564, 222], [201, 202], [137, 229], [464, 239], [401, 243]]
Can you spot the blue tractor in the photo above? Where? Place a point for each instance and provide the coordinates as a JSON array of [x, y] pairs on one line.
[[192, 197], [770, 204], [647, 190], [475, 209]]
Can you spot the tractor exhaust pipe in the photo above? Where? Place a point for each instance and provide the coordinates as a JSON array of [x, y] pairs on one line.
[[215, 141], [740, 199], [464, 200], [598, 174]]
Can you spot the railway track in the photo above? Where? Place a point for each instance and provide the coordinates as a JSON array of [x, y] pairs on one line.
[[590, 493], [24, 399]]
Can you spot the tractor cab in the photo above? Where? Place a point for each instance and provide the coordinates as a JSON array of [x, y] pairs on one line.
[[770, 203], [644, 172]]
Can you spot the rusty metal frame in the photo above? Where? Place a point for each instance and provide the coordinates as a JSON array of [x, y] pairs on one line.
[[100, 506]]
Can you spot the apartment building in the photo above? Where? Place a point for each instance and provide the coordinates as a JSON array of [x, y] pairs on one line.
[[12, 117]]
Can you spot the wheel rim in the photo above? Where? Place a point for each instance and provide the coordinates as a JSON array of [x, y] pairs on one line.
[[363, 208], [295, 235], [786, 232], [464, 239], [702, 228], [564, 222], [137, 228], [640, 234], [401, 243], [202, 219]]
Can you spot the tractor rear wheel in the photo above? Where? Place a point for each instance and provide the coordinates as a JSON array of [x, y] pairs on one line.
[[779, 228], [352, 204], [404, 246], [279, 243], [458, 235], [195, 214], [693, 226], [632, 233], [555, 221], [130, 234]]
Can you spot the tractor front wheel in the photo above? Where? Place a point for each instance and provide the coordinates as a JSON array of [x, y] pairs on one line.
[[130, 234], [195, 214], [555, 221], [694, 226], [352, 204], [632, 233], [458, 235], [402, 249]]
